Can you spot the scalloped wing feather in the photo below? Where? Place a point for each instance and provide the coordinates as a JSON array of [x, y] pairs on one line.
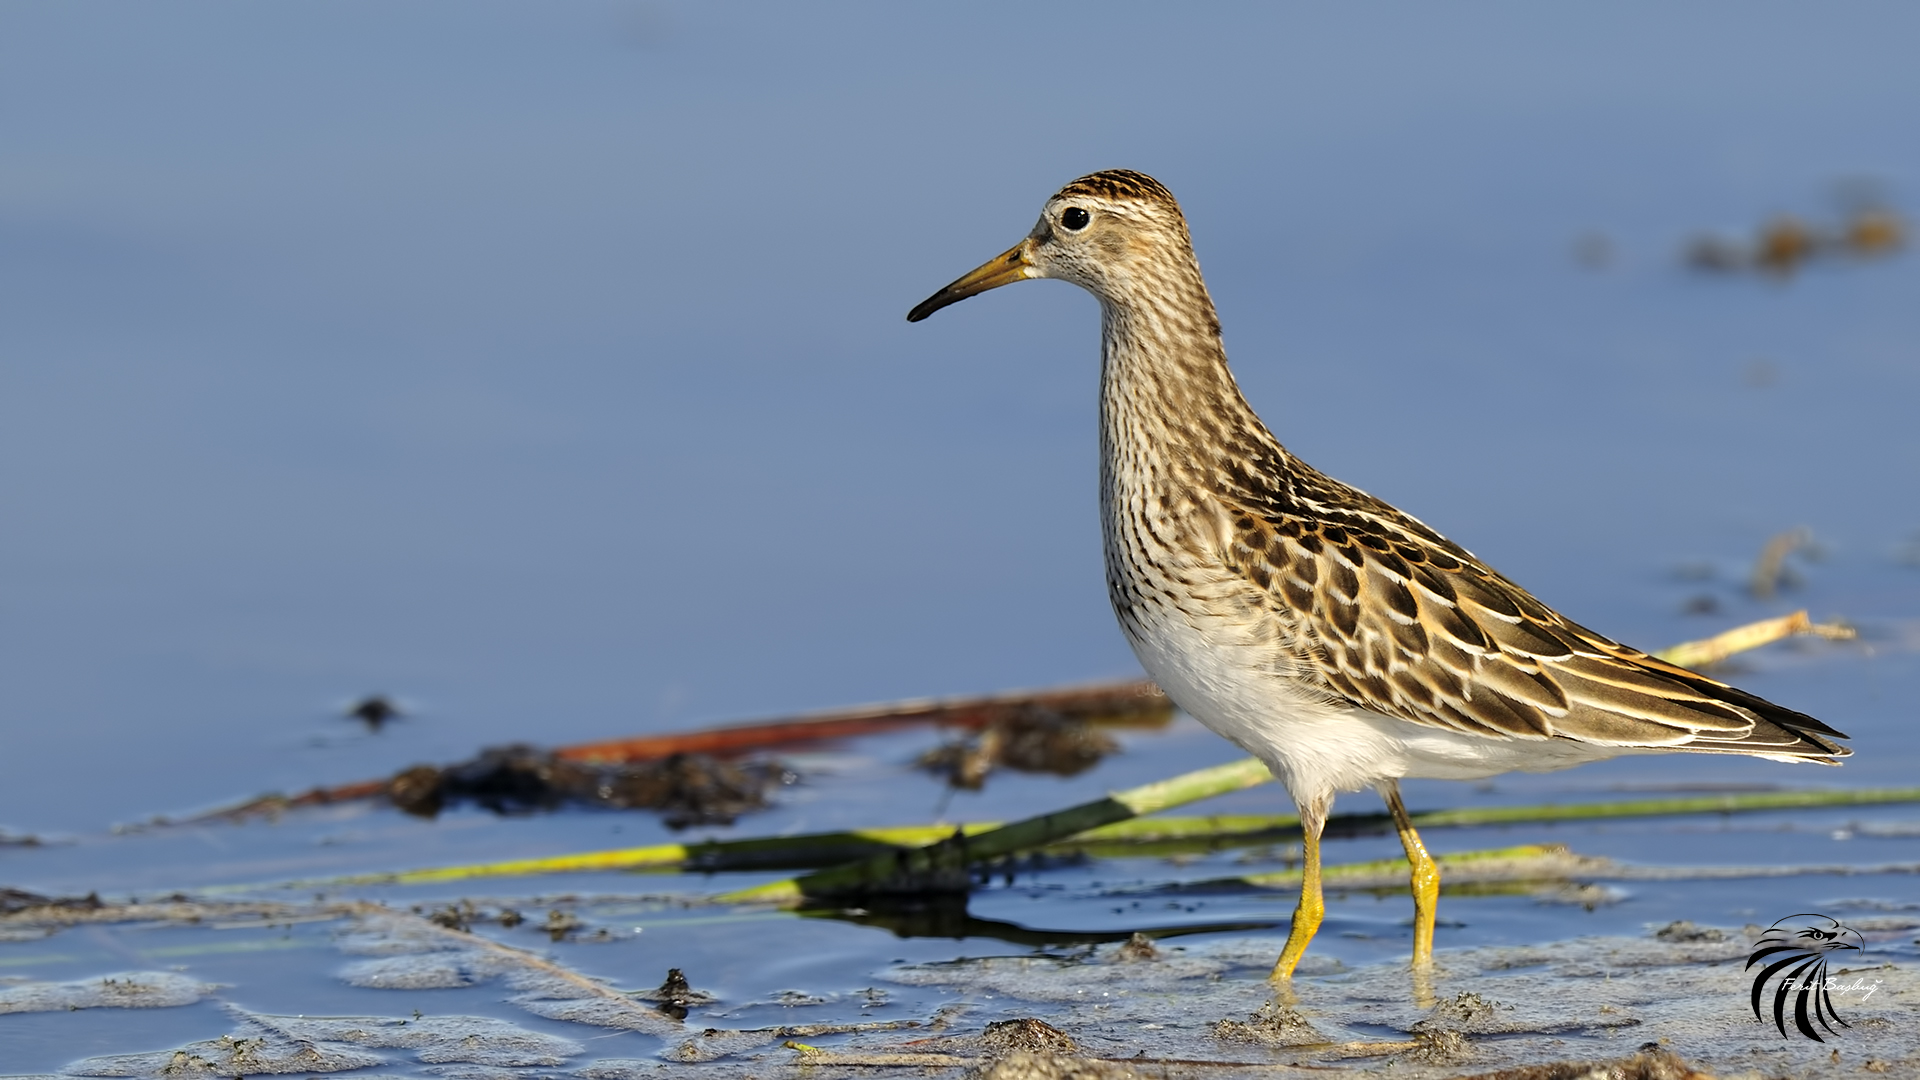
[[1404, 623]]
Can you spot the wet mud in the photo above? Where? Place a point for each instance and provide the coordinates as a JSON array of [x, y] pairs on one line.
[[1670, 1003]]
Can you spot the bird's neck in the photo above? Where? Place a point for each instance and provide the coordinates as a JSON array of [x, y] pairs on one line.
[[1171, 415]]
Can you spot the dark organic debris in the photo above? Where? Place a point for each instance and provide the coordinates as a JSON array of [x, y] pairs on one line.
[[1026, 1035], [1273, 1025], [561, 925], [676, 996], [464, 914], [18, 900], [693, 789], [1136, 949], [1133, 702], [458, 916], [376, 711], [1465, 1010], [1786, 243], [1440, 1046], [1034, 740]]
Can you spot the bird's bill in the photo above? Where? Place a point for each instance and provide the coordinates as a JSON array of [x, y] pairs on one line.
[[1014, 264]]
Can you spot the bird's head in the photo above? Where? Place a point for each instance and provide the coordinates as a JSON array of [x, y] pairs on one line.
[[1112, 233]]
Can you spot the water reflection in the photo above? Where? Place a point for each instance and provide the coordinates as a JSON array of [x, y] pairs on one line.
[[946, 916]]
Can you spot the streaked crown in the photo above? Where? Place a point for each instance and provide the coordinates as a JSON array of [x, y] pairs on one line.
[[1119, 185]]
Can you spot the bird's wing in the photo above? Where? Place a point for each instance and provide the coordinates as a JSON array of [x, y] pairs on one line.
[[1399, 620]]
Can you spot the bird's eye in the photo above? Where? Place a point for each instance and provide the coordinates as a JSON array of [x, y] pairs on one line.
[[1075, 218]]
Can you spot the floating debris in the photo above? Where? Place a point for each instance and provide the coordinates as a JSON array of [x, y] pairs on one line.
[[1713, 253], [18, 900], [1136, 949], [376, 711], [1132, 702], [562, 925], [1785, 244], [1875, 232], [692, 789], [1713, 650], [1037, 740], [460, 916], [676, 996]]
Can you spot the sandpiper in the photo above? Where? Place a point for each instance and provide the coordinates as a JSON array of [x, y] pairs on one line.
[[1336, 638]]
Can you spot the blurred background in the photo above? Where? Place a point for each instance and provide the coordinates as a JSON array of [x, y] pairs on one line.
[[545, 366]]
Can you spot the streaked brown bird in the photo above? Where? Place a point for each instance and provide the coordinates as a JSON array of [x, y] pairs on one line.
[[1334, 637]]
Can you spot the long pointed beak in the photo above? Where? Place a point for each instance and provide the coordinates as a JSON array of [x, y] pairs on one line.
[[1015, 264]]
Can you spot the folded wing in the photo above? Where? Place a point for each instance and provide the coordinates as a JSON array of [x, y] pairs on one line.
[[1403, 622]]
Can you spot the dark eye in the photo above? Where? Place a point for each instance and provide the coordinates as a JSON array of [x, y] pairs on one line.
[[1075, 218]]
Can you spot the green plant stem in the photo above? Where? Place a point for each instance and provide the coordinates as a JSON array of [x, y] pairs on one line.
[[947, 866], [1132, 836]]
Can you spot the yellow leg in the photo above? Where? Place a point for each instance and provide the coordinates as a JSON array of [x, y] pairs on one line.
[[1426, 877], [1313, 907]]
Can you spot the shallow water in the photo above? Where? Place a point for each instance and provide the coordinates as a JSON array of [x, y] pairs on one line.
[[769, 969], [547, 370]]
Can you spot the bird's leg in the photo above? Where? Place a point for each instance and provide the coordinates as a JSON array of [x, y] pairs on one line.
[[1426, 876], [1312, 907]]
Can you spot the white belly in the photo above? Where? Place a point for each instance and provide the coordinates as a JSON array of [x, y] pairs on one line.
[[1231, 675]]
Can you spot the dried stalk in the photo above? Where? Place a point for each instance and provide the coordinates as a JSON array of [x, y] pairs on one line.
[[1710, 651], [1128, 701]]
